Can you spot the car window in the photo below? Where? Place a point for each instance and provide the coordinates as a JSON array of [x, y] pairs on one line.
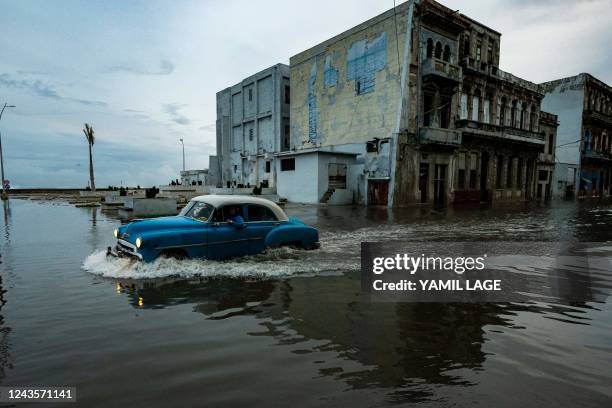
[[223, 214], [200, 211], [260, 213], [186, 208]]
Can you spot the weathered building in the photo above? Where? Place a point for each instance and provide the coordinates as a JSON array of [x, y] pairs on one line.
[[417, 95], [252, 126], [584, 149]]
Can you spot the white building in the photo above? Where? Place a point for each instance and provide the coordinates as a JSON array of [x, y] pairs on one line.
[[252, 126]]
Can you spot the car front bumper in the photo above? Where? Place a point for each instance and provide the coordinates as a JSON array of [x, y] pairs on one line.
[[124, 249]]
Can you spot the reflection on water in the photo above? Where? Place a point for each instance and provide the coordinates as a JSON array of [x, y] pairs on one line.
[[294, 328]]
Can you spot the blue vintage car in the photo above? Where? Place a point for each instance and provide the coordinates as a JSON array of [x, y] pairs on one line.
[[214, 227]]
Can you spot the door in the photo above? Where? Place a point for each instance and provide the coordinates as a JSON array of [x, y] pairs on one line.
[[260, 220], [378, 191], [440, 185], [423, 181], [336, 176], [225, 239], [484, 174]]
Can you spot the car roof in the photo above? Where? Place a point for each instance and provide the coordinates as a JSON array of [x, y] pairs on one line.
[[218, 200]]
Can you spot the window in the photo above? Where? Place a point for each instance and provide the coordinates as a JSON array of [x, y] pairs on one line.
[[358, 87], [486, 111], [250, 134], [478, 51], [447, 53], [473, 179], [464, 106], [428, 109], [287, 164], [438, 52], [502, 112], [286, 138], [466, 48], [267, 166], [543, 175], [223, 214], [490, 52], [287, 94], [461, 181], [498, 179], [509, 173], [475, 107], [260, 213], [429, 48], [235, 168], [519, 173], [250, 94], [551, 142], [200, 211]]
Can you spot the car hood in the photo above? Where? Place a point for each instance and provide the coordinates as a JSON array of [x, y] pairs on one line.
[[131, 231]]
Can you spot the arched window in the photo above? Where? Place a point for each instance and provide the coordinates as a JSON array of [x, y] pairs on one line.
[[447, 53], [523, 124], [476, 105], [532, 119], [513, 113], [438, 50], [502, 111], [429, 48]]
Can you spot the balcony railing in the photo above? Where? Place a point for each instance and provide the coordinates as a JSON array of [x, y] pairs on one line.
[[493, 71], [502, 132], [546, 158], [442, 69], [591, 154], [449, 137], [598, 117]]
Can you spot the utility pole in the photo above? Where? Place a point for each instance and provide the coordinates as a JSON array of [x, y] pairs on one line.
[[4, 192], [183, 143]]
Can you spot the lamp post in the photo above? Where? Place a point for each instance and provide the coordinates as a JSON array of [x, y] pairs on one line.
[[4, 193], [183, 143]]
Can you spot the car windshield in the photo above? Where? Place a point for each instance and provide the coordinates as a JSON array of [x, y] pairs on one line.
[[200, 211]]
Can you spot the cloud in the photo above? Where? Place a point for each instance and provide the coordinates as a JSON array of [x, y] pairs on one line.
[[209, 128], [166, 67], [172, 109], [42, 89]]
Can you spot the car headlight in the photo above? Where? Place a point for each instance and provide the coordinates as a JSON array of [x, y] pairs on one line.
[[138, 242], [116, 233]]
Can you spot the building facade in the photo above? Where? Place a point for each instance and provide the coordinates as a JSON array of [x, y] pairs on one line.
[[416, 94], [252, 126], [584, 149]]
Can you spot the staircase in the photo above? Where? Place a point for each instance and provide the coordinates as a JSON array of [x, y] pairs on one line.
[[327, 195]]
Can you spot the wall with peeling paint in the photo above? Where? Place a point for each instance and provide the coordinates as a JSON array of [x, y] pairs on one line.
[[346, 92]]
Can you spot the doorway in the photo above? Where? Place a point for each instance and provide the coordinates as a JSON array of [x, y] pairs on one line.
[[440, 185], [423, 181], [484, 173], [378, 191]]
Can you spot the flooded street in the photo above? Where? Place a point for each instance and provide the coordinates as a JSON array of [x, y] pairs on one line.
[[292, 327]]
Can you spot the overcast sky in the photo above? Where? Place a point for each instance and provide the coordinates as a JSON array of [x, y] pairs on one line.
[[145, 73]]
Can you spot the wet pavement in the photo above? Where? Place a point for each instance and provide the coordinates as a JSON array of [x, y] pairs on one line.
[[292, 327]]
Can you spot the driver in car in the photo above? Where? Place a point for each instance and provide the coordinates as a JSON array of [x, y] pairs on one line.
[[233, 217]]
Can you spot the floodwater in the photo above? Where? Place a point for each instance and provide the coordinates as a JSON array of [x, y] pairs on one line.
[[292, 328]]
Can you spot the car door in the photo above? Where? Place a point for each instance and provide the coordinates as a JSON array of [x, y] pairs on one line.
[[226, 240], [261, 220]]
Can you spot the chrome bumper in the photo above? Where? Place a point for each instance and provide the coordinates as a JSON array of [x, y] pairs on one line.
[[123, 249]]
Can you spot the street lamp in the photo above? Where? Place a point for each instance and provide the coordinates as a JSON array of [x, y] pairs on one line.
[[181, 140], [4, 193]]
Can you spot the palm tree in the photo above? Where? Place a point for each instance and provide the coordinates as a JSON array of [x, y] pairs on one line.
[[89, 135]]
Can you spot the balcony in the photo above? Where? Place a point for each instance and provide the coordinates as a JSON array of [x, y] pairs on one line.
[[500, 132], [449, 137], [494, 72], [546, 158], [595, 155], [438, 69], [597, 117]]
